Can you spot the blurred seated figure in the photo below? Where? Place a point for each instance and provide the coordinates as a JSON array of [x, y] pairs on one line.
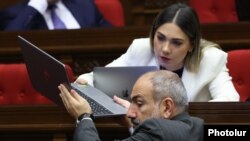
[[40, 14]]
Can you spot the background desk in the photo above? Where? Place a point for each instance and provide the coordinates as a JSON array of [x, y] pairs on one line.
[[51, 123], [231, 113], [87, 48]]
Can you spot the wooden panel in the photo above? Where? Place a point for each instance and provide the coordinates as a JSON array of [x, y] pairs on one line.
[[143, 12], [5, 4], [34, 122], [82, 49], [47, 123], [221, 113], [87, 48]]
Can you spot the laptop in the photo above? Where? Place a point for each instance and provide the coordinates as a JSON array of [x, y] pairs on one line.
[[46, 73], [118, 81]]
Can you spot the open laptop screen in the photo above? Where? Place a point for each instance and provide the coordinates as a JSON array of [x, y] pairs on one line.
[[46, 73], [118, 81]]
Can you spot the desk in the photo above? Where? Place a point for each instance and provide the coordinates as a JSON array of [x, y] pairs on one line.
[[86, 48], [82, 49], [52, 123], [220, 113], [49, 123]]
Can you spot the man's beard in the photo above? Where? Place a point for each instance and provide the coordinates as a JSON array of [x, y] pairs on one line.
[[135, 122]]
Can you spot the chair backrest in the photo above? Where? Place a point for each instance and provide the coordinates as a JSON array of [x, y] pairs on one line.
[[239, 69], [112, 10], [214, 11], [16, 88]]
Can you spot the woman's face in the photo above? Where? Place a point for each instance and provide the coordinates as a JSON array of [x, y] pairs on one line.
[[171, 46]]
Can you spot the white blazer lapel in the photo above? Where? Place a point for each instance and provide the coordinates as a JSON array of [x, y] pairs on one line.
[[211, 64], [189, 81]]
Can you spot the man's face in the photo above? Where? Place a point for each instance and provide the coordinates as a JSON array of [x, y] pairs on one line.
[[142, 106]]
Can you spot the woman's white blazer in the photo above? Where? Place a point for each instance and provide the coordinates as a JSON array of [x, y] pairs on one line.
[[211, 83]]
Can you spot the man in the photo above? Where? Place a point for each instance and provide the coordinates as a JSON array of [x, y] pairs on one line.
[[36, 14], [157, 111]]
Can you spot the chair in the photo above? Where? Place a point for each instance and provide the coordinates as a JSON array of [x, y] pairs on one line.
[[214, 11], [112, 10], [16, 88], [239, 68]]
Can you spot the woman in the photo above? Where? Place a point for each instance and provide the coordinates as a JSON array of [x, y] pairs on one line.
[[175, 44]]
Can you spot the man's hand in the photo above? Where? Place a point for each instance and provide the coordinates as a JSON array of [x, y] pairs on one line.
[[122, 102], [123, 121], [73, 102]]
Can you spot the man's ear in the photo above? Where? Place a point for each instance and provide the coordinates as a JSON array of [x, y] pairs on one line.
[[167, 107]]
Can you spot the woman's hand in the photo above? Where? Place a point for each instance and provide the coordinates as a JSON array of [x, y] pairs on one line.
[[81, 81]]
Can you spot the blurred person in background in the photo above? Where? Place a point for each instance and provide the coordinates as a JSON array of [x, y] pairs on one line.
[[36, 14]]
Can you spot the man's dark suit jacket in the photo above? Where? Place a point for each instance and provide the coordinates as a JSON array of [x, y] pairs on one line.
[[24, 17], [181, 128]]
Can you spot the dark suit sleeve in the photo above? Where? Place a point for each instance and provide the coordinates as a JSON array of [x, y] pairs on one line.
[[86, 13], [102, 22], [186, 129], [86, 131], [99, 18], [21, 17], [149, 130], [189, 129]]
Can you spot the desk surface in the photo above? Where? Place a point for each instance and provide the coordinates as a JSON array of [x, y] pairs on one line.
[[49, 123], [56, 123], [52, 117], [221, 112]]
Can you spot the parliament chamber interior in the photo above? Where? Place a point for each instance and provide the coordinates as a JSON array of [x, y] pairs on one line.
[[27, 115]]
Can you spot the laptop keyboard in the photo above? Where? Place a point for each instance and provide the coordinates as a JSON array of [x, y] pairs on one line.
[[96, 107]]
